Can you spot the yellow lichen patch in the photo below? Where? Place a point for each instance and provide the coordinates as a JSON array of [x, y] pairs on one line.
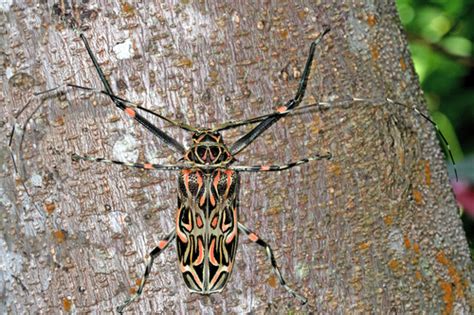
[[184, 63], [59, 121], [335, 169], [128, 10], [448, 296], [371, 20], [441, 258], [18, 181], [213, 75], [59, 236], [418, 275], [394, 264], [272, 281], [388, 220], [49, 207], [416, 248], [374, 51], [427, 173], [67, 304], [403, 65], [406, 242], [273, 211], [283, 33], [302, 14], [456, 278], [364, 246], [453, 273], [417, 196], [114, 118]]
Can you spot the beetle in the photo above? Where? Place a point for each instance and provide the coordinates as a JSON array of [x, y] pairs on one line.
[[207, 226]]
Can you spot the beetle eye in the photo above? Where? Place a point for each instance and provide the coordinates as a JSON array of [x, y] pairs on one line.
[[215, 152], [201, 152]]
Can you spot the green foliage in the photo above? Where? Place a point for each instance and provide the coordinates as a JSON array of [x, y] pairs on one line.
[[440, 33]]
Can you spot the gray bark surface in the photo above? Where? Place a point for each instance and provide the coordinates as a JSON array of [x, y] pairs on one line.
[[374, 230]]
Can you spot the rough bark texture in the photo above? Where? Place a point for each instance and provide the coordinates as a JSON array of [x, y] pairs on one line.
[[374, 230]]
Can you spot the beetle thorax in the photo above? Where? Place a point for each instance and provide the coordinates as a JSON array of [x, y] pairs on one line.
[[208, 148]]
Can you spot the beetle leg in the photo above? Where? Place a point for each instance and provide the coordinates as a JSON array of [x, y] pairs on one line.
[[257, 240], [276, 168], [162, 245], [248, 138]]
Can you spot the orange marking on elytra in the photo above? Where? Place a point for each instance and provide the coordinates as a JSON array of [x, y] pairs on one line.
[[212, 199], [229, 174], [212, 259], [217, 177], [199, 180], [200, 257], [214, 222], [130, 112], [225, 227], [231, 236], [234, 232], [265, 168], [186, 173], [180, 234], [202, 200], [198, 221], [148, 166], [253, 237]]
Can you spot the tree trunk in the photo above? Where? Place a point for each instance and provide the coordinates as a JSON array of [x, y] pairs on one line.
[[374, 230]]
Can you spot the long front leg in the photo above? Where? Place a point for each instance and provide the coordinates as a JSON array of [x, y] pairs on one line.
[[244, 141], [257, 240], [131, 112], [162, 245]]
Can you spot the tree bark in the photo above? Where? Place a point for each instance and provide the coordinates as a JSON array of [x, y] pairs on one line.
[[374, 230]]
